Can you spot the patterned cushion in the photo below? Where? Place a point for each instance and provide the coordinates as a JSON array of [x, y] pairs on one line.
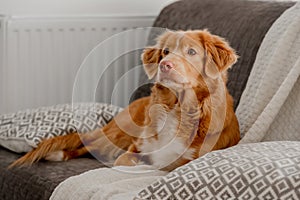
[[23, 130], [269, 170]]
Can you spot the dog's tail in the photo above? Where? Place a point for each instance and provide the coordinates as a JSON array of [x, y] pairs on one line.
[[56, 144]]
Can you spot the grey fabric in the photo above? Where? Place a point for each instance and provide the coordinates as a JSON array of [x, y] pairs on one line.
[[143, 91], [38, 181], [243, 23], [268, 170]]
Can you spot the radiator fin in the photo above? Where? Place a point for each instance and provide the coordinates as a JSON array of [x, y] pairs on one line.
[[42, 57]]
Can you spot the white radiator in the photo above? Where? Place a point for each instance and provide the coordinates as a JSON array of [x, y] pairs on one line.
[[40, 58]]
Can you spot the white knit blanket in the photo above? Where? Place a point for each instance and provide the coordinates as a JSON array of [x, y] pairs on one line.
[[269, 108], [106, 183]]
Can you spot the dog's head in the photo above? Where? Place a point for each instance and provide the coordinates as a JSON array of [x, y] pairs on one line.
[[183, 59]]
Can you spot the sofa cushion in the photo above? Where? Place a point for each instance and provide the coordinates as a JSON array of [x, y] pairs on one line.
[[23, 130], [243, 23], [38, 181], [269, 170]]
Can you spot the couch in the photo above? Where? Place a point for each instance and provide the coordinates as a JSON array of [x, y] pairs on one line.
[[244, 24]]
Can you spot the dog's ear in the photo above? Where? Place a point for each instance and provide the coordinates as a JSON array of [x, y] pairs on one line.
[[218, 55], [151, 58]]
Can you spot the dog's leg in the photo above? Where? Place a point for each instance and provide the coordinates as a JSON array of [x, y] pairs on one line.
[[70, 153], [70, 146], [71, 141], [101, 148], [64, 155], [111, 140], [109, 146], [129, 158]]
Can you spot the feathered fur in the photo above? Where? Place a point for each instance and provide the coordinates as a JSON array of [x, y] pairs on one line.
[[188, 113]]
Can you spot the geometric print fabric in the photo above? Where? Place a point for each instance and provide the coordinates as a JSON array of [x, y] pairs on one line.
[[35, 125], [269, 170]]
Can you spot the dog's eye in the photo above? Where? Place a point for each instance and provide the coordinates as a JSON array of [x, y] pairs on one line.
[[192, 52], [166, 51]]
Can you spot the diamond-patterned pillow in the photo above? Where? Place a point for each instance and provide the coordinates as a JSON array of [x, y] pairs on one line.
[[21, 131], [269, 170]]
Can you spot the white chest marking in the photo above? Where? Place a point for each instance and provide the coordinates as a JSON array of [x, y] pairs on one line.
[[167, 148]]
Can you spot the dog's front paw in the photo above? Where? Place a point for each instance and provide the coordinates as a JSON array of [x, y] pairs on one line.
[[127, 159]]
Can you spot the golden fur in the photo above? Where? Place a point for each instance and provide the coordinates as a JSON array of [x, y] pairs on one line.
[[189, 106]]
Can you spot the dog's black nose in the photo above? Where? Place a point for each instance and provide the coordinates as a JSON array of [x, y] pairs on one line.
[[165, 66]]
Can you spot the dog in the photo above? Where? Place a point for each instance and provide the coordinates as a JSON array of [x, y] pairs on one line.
[[189, 112]]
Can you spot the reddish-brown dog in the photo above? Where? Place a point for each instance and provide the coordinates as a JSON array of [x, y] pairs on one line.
[[189, 112]]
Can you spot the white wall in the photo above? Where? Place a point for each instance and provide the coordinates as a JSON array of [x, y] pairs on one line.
[[43, 56], [43, 53], [81, 7]]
